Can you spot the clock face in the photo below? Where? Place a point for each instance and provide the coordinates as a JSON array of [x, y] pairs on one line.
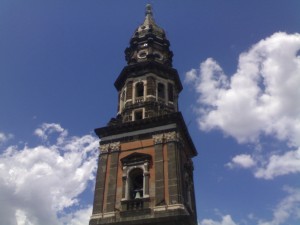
[[142, 54]]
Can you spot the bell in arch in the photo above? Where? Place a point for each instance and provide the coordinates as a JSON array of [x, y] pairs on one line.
[[137, 195]]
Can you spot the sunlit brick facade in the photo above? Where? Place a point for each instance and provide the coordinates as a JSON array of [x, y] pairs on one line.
[[145, 169]]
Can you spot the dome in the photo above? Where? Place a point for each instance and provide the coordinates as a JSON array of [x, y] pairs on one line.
[[149, 26]]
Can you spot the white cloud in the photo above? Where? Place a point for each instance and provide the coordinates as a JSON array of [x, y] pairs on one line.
[[5, 137], [226, 220], [79, 217], [278, 165], [288, 208], [48, 129], [260, 98], [285, 212], [38, 183], [268, 167], [244, 161]]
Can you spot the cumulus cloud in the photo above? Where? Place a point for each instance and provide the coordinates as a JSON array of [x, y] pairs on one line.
[[48, 129], [226, 220], [79, 217], [244, 161], [38, 183], [5, 137], [260, 99], [268, 168], [278, 165], [285, 212], [288, 208]]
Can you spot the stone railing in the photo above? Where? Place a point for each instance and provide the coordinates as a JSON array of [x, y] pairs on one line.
[[135, 204], [139, 99]]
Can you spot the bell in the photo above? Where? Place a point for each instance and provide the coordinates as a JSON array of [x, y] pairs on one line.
[[137, 195]]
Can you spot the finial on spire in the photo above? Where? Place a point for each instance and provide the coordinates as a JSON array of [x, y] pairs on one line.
[[148, 9]]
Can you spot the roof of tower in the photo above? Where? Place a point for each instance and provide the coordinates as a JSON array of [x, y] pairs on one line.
[[149, 25]]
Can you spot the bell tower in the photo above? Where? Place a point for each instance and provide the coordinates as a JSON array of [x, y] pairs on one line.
[[145, 168]]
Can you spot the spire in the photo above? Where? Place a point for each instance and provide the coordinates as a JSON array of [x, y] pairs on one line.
[[149, 42], [149, 25], [148, 9], [149, 16]]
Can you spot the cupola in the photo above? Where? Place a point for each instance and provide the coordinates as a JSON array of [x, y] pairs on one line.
[[148, 86], [149, 43]]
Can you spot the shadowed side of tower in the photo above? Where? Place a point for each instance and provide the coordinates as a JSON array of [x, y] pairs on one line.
[[145, 168]]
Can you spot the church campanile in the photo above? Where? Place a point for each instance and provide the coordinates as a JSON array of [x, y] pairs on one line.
[[145, 168]]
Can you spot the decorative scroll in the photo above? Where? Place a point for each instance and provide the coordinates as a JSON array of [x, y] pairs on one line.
[[171, 136], [158, 138], [111, 147], [104, 148], [166, 137], [115, 146]]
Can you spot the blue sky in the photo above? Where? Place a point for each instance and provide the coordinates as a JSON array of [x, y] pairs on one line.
[[239, 64]]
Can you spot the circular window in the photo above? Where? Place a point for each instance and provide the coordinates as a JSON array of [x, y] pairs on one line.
[[142, 54], [158, 56]]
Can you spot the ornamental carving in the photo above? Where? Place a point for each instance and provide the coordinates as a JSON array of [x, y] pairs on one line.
[[115, 146], [158, 138], [166, 137], [171, 136], [105, 148]]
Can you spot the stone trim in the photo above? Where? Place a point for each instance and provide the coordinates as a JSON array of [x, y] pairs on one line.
[[103, 215], [139, 132], [125, 185], [169, 207]]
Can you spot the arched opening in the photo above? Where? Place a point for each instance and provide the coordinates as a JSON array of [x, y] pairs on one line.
[[129, 90], [161, 90], [170, 92], [139, 89], [136, 183], [138, 115], [122, 100]]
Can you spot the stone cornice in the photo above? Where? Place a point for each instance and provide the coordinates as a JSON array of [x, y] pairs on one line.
[[149, 123]]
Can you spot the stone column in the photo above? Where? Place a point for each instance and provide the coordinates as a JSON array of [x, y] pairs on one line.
[[146, 179], [112, 179], [174, 165], [100, 184], [124, 180], [159, 170]]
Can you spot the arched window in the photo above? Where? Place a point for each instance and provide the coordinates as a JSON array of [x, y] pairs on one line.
[[161, 90], [139, 89], [122, 97], [136, 183], [135, 178], [170, 92], [129, 90]]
